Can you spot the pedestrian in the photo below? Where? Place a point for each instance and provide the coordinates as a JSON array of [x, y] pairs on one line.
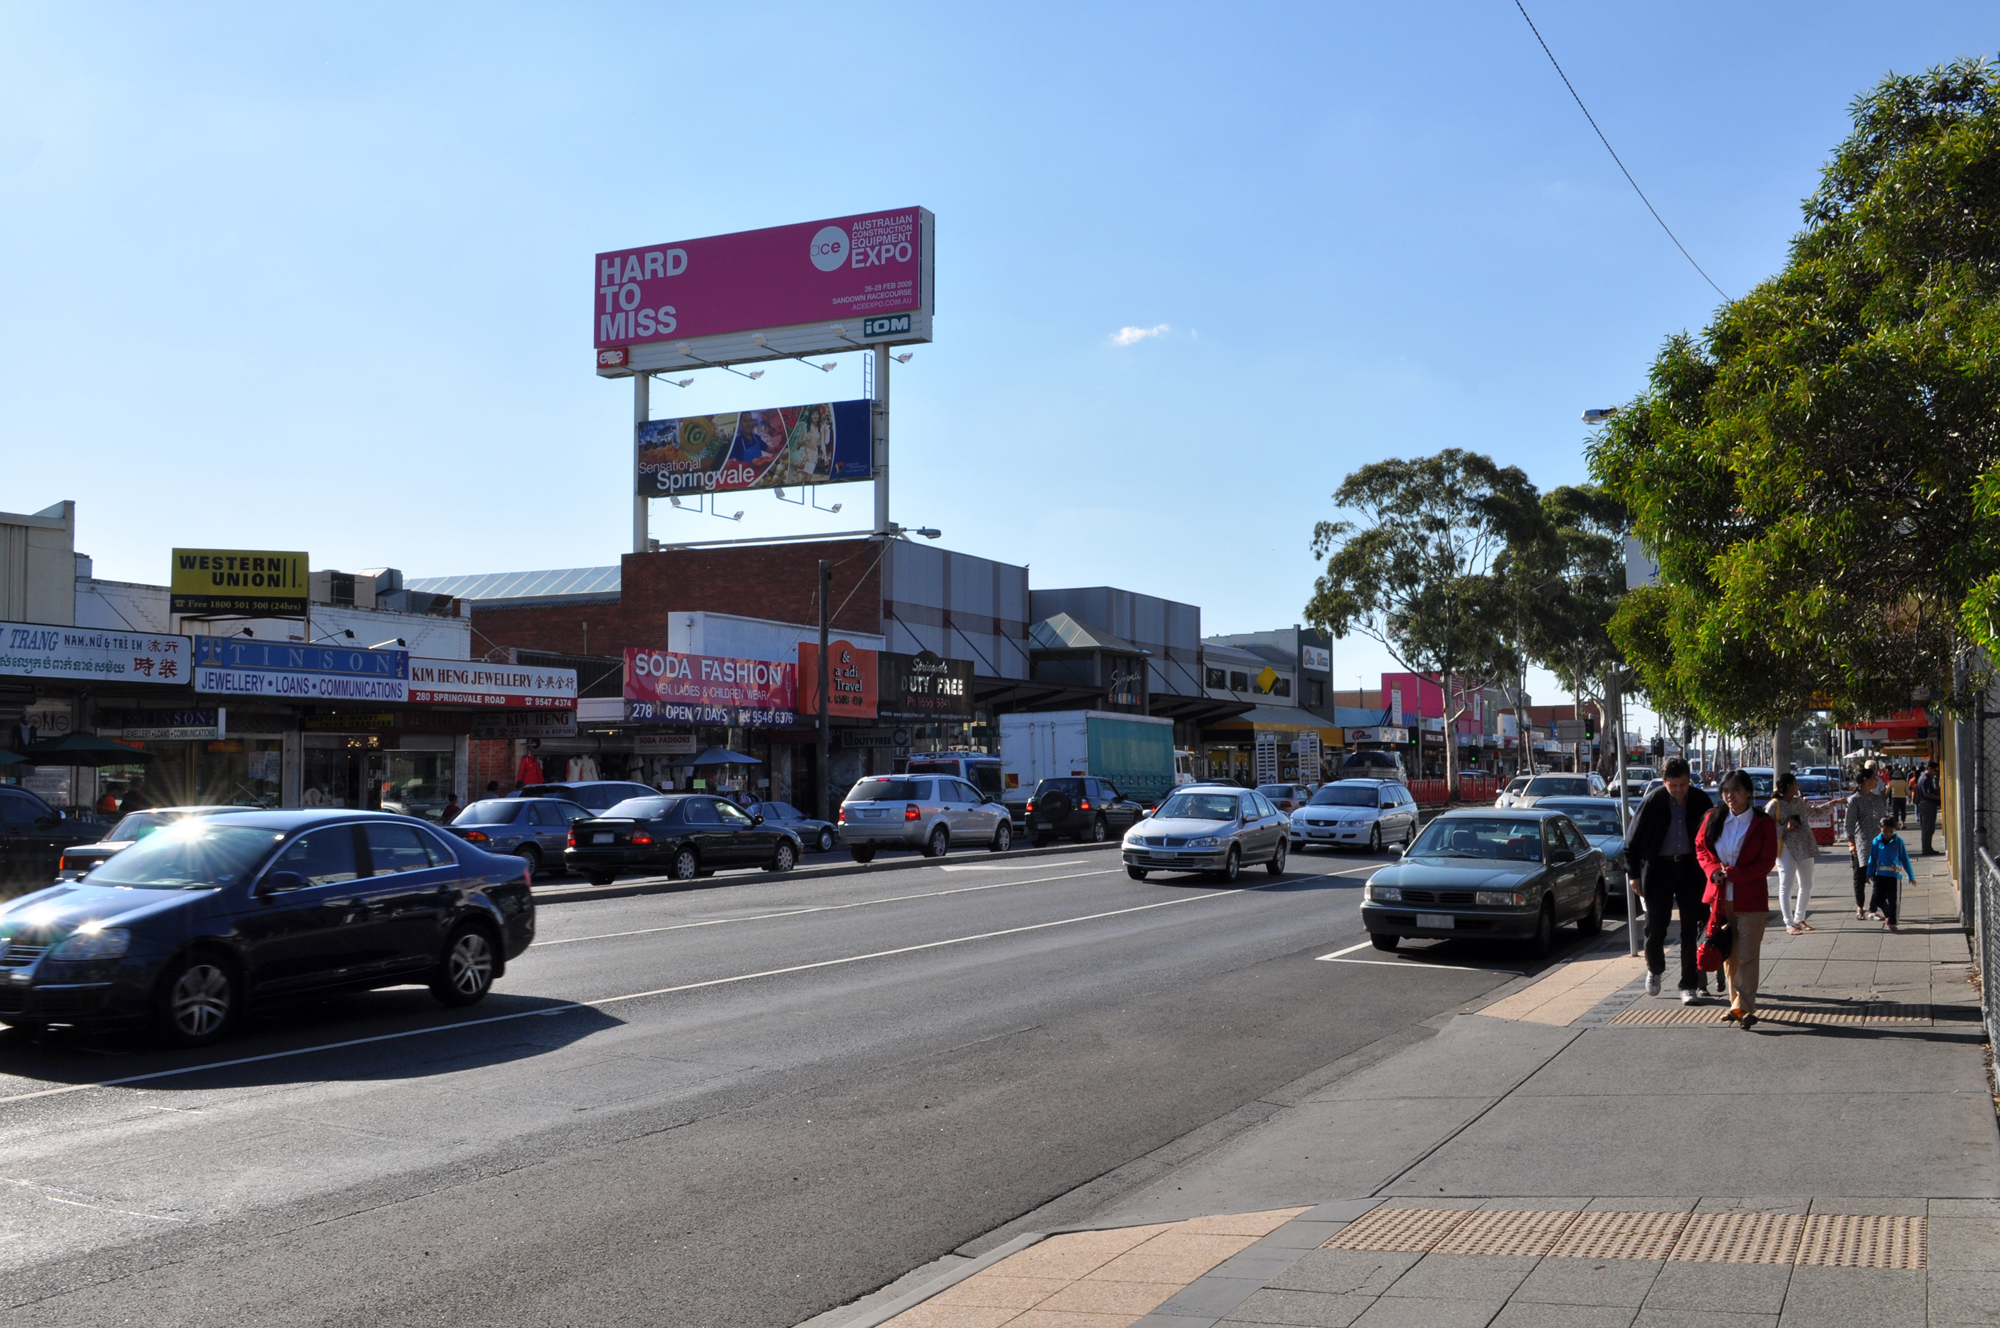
[[1865, 809], [1899, 794], [135, 799], [1737, 847], [1659, 847], [450, 812], [492, 788], [1797, 852], [108, 804], [1930, 795], [1888, 862]]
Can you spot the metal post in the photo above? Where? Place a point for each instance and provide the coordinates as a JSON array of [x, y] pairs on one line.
[[1617, 700], [642, 410], [825, 682], [882, 440]]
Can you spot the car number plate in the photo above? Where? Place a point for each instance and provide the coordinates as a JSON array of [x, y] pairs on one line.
[[1435, 921], [600, 839]]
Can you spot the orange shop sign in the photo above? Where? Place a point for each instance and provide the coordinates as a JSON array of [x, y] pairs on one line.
[[852, 674]]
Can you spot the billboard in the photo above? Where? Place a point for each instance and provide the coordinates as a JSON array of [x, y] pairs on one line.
[[672, 687], [250, 581], [810, 288], [829, 443], [852, 673]]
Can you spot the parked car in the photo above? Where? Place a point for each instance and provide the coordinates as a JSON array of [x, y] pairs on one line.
[[79, 859], [925, 812], [191, 926], [34, 836], [1597, 818], [1208, 828], [818, 836], [1513, 789], [1372, 764], [1488, 874], [1355, 813], [686, 834], [1088, 810], [1763, 779], [979, 769], [1287, 798], [1561, 786], [596, 794], [535, 830]]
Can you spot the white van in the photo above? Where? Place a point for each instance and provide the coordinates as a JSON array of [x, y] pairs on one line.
[[979, 769]]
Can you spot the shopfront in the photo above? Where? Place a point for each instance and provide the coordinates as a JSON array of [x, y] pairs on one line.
[[201, 756]]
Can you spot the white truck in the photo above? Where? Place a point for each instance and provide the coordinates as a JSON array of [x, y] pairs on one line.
[[1134, 752]]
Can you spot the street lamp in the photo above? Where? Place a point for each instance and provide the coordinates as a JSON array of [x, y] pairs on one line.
[[1599, 416]]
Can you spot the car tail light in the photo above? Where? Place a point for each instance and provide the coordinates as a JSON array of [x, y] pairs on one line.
[[642, 839], [1083, 806], [476, 836], [572, 839], [1029, 810], [64, 864], [910, 812], [528, 874], [843, 816]]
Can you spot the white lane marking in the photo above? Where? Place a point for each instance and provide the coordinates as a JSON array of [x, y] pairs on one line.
[[567, 1007], [52, 1197], [1007, 866], [1349, 950], [814, 908], [1392, 963]]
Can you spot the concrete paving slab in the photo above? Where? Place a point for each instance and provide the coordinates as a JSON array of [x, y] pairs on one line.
[[1410, 1312], [1735, 1288], [1308, 1309], [1964, 1244], [1346, 1272], [1964, 1299], [1649, 1318], [1464, 1277], [1863, 1297], [1601, 1282], [1530, 1315]]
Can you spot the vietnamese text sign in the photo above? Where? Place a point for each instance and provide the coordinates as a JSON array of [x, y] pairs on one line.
[[852, 676], [845, 268], [242, 666], [499, 686], [828, 443], [924, 686], [36, 650], [247, 581]]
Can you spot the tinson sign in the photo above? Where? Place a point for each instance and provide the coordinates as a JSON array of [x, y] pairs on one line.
[[239, 666]]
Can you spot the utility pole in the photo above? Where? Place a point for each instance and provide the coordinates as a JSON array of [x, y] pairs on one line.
[[642, 411], [825, 622]]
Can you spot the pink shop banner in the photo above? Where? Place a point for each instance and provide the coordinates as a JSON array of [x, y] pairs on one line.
[[667, 676]]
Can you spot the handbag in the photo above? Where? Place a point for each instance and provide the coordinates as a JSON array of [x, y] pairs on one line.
[[1716, 943]]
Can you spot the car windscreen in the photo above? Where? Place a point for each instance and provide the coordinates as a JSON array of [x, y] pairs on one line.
[[492, 811], [1592, 820], [1368, 758], [193, 854], [882, 789], [1278, 790], [1557, 786], [641, 809], [1515, 786], [1496, 838], [1199, 807], [1344, 795], [138, 825]]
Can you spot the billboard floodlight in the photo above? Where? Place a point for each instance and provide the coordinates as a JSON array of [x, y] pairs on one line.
[[904, 358], [1595, 416], [677, 382]]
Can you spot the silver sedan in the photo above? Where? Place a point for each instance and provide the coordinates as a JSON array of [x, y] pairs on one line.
[[1212, 829]]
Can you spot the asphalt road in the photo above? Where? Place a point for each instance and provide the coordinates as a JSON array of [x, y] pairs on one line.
[[736, 1103]]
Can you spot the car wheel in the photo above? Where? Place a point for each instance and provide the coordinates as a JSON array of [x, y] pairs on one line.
[[784, 858], [826, 840], [686, 865], [938, 844], [465, 974], [1543, 943], [199, 999], [1097, 832], [600, 878], [1276, 866], [1375, 839], [862, 852], [1592, 922], [1003, 837], [531, 856], [1232, 866], [1382, 940], [1136, 873]]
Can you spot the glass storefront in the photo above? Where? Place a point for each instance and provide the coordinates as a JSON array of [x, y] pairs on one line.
[[241, 772], [358, 772]]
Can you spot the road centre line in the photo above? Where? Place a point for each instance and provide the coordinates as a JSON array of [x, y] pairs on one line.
[[1004, 866], [815, 908], [571, 1006]]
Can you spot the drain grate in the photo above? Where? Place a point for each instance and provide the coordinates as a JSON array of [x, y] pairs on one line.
[[1739, 1238], [1500, 1231], [1410, 1230], [1620, 1236], [1876, 1012], [1842, 1240]]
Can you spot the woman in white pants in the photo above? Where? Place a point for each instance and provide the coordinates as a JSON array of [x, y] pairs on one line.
[[1796, 851]]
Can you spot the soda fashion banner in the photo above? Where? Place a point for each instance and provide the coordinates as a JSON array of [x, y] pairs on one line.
[[668, 677], [829, 443]]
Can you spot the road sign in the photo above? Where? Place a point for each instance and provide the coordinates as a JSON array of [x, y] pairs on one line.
[[1570, 730]]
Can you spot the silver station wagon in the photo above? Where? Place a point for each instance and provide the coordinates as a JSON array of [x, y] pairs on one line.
[[929, 813]]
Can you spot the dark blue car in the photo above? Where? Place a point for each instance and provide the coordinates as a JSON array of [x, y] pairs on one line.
[[193, 924]]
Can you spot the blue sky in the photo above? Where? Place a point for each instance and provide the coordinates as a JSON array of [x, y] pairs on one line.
[[285, 277]]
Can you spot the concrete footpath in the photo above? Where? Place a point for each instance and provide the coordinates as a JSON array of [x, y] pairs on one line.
[[1574, 1153]]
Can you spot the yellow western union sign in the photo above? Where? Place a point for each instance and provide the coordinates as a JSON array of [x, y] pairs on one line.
[[249, 581]]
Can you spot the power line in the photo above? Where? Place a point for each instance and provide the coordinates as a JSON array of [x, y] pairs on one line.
[[1614, 153]]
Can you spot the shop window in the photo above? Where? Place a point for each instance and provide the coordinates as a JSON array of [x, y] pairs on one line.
[[1216, 679], [1239, 682], [1281, 687]]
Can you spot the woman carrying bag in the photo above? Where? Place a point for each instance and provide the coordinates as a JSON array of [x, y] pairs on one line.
[[1737, 847]]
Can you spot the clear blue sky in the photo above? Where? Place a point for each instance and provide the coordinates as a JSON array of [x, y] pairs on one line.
[[319, 279]]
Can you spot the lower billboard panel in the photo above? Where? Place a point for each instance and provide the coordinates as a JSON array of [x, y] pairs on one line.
[[785, 446]]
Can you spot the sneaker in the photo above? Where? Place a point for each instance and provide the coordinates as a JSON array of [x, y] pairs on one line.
[[1691, 996], [1652, 984]]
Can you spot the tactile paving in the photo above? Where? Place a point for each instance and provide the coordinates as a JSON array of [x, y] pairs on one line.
[[1739, 1238], [1845, 1240], [1503, 1231], [1410, 1230], [1620, 1236], [1876, 1012]]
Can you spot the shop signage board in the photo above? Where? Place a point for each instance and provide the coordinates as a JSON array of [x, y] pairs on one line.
[[1317, 658], [93, 654], [499, 686], [670, 686], [782, 447], [245, 581], [852, 738], [812, 288], [209, 725], [350, 723], [664, 744], [853, 673], [243, 666], [525, 724], [924, 686], [1384, 735]]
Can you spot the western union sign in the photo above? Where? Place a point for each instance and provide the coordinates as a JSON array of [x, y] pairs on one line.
[[247, 581]]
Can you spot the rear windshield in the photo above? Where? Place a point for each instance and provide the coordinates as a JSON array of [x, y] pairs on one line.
[[492, 811], [882, 789], [1344, 795], [1278, 790], [1556, 786], [1369, 758], [1073, 787], [1479, 837], [643, 809], [194, 854], [140, 824], [1599, 821]]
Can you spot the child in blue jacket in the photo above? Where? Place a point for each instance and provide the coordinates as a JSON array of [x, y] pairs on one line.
[[1887, 857]]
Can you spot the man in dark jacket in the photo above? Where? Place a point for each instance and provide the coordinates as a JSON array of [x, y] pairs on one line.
[[1659, 848], [1930, 794]]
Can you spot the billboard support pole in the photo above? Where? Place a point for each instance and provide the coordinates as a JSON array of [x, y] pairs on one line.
[[642, 410], [825, 682], [882, 439]]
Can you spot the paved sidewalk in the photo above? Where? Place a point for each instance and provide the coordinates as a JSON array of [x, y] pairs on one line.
[[1577, 1153]]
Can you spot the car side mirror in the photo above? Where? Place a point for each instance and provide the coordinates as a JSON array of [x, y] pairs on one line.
[[279, 881], [757, 818], [1560, 855], [1145, 812]]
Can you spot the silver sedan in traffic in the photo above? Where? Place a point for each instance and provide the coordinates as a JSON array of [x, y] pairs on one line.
[[1215, 829]]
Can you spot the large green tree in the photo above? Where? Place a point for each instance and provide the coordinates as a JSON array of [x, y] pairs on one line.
[[1414, 569], [1805, 470]]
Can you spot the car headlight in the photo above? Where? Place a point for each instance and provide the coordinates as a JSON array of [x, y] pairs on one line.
[[102, 943], [1385, 893], [1206, 841], [1501, 898]]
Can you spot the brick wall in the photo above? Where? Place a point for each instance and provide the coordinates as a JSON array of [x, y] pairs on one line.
[[489, 758], [778, 581]]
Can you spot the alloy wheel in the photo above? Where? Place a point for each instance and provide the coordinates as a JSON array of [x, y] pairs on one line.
[[1003, 837], [685, 865], [469, 966], [201, 1000], [825, 841], [783, 859]]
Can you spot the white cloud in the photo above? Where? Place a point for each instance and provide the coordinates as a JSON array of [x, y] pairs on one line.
[[1126, 336]]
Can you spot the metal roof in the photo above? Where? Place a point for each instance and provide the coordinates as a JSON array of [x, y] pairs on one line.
[[563, 582]]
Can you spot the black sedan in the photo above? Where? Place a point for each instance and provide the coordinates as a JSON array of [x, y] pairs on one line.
[[34, 836], [818, 836], [207, 917], [686, 834]]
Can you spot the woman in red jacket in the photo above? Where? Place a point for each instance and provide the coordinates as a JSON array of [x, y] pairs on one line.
[[1737, 846]]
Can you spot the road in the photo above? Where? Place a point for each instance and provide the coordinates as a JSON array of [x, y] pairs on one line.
[[736, 1103]]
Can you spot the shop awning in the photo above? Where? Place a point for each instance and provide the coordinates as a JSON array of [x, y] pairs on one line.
[[1197, 709], [723, 756], [83, 749], [1004, 694], [1281, 720]]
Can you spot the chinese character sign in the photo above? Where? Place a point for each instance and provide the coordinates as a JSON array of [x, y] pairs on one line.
[[37, 650]]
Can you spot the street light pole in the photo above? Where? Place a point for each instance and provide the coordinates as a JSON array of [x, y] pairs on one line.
[[825, 623]]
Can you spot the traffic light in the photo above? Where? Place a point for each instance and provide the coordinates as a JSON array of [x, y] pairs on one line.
[[1590, 727], [1659, 747]]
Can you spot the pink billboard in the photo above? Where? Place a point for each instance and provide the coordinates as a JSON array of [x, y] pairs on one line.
[[665, 677], [866, 268]]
